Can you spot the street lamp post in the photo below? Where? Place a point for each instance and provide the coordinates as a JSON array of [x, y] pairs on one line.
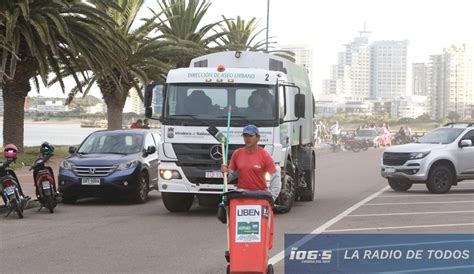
[[268, 20]]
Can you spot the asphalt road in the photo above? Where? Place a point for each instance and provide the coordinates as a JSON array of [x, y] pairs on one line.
[[98, 236]]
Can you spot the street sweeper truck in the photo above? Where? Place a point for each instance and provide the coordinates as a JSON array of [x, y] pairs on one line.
[[262, 89]]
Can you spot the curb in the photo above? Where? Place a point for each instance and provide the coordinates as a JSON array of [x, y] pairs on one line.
[[31, 204]]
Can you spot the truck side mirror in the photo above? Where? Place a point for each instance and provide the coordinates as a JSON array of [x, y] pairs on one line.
[[465, 143], [300, 105], [148, 95]]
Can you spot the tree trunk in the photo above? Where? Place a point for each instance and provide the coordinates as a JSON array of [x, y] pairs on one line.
[[14, 94], [115, 100]]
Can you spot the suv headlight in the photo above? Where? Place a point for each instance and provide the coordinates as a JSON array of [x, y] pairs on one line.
[[128, 165], [66, 165], [418, 155]]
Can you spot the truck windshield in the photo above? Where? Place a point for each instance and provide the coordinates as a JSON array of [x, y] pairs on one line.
[[441, 136], [205, 102]]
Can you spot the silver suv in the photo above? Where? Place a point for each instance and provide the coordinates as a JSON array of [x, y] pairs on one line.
[[440, 159]]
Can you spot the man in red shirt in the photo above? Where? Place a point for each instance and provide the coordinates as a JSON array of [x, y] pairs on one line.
[[250, 163]]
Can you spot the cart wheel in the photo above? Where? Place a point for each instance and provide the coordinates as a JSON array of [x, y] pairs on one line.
[[269, 269], [228, 269]]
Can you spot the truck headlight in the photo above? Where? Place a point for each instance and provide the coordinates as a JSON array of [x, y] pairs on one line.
[[169, 174], [66, 165], [128, 165], [418, 155]]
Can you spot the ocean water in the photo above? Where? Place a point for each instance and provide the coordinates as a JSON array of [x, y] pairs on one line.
[[57, 134]]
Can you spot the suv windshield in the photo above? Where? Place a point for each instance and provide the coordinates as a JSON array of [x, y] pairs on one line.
[[200, 102], [112, 143], [441, 136]]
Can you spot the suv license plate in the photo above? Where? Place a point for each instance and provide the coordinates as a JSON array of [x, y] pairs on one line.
[[390, 169], [90, 181], [46, 185], [214, 174]]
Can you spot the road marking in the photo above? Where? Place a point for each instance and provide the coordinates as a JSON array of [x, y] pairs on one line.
[[425, 195], [397, 227], [421, 203], [280, 255], [409, 213]]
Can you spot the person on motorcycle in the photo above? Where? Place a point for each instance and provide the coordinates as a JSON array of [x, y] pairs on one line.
[[250, 163], [10, 152]]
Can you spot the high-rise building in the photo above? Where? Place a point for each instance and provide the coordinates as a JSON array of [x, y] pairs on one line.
[[388, 69], [450, 77], [133, 103], [350, 78], [419, 79], [303, 57]]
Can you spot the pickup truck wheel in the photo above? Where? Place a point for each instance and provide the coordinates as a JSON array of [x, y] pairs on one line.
[[287, 195], [440, 179], [177, 202], [399, 184], [307, 193]]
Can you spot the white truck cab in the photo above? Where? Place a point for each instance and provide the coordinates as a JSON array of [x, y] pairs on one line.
[[440, 159], [199, 96]]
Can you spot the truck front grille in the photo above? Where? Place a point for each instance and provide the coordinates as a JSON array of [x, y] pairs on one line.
[[199, 154], [395, 159]]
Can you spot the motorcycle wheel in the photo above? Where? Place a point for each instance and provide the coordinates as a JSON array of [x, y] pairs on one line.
[[50, 202], [356, 147], [17, 207]]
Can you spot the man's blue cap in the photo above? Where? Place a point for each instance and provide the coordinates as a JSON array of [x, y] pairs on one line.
[[250, 130]]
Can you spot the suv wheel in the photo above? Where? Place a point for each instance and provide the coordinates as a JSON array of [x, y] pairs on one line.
[[399, 184], [440, 179], [141, 194]]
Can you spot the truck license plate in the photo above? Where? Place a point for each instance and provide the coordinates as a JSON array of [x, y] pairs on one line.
[[90, 181], [390, 169], [214, 174]]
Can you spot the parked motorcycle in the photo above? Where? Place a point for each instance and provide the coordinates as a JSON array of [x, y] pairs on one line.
[[9, 186], [43, 177], [400, 139]]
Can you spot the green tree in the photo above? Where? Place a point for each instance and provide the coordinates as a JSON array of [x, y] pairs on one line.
[[180, 26], [142, 60], [46, 36], [241, 35]]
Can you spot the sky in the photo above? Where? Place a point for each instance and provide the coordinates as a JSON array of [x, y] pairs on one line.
[[325, 26]]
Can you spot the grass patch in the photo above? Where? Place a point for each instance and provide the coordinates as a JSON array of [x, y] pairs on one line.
[[32, 153]]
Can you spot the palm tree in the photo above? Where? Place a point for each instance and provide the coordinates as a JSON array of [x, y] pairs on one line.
[[241, 35], [180, 26], [47, 36], [142, 61]]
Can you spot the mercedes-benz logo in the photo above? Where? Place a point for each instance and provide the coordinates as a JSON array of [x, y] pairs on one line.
[[216, 152], [91, 170]]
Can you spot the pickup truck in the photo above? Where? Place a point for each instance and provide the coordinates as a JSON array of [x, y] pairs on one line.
[[440, 159]]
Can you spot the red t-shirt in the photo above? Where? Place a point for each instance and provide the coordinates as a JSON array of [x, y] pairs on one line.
[[252, 167]]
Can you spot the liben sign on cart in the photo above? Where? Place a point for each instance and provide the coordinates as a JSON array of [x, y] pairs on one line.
[[379, 253], [248, 223]]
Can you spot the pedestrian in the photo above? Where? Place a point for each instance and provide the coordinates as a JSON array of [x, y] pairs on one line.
[[335, 132], [250, 163], [145, 123]]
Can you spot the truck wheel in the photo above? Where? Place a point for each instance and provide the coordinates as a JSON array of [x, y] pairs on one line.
[[287, 195], [307, 193], [440, 179], [177, 202], [399, 184]]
